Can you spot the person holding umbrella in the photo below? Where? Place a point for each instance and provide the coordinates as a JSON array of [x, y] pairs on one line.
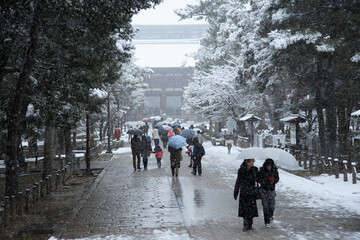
[[268, 177], [175, 147], [136, 150], [175, 159]]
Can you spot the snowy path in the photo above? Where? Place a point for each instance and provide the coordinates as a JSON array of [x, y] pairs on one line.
[[153, 205], [305, 209]]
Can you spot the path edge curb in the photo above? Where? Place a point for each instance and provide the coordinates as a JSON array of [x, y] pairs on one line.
[[84, 200]]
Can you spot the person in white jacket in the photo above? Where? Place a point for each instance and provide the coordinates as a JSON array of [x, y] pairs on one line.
[[156, 137]]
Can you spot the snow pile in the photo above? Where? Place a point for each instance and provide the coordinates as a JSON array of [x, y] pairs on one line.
[[122, 150], [318, 192], [335, 186], [157, 234], [281, 158]]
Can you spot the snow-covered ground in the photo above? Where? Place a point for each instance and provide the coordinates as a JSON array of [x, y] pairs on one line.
[[122, 150], [323, 192]]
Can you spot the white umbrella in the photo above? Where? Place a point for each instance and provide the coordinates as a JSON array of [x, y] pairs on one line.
[[280, 157]]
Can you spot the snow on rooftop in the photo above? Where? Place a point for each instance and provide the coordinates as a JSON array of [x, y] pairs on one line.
[[292, 117], [249, 116]]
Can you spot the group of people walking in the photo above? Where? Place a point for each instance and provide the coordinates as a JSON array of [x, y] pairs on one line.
[[142, 148], [253, 184]]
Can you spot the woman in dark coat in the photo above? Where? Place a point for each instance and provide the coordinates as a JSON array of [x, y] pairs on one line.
[[245, 184]]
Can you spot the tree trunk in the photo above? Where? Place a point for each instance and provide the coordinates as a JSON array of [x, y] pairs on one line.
[[344, 115], [322, 137], [331, 124], [48, 148], [32, 146], [87, 153], [101, 130], [92, 133], [74, 144], [60, 145], [319, 105], [68, 148], [14, 117]]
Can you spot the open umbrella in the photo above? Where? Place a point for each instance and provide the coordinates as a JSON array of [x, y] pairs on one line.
[[177, 142], [176, 126], [187, 133], [201, 128], [135, 132], [144, 119], [160, 128], [280, 157]]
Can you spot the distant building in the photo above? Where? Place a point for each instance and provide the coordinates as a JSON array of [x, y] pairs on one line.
[[167, 50]]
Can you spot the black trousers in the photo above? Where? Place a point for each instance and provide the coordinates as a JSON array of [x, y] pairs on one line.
[[197, 165], [136, 155]]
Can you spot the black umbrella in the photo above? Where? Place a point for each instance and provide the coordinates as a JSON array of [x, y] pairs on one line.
[[201, 128], [135, 132], [176, 125], [160, 128]]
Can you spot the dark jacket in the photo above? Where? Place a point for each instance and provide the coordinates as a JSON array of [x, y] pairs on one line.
[[136, 146], [145, 147], [175, 156], [268, 178], [199, 151], [164, 136], [245, 184]]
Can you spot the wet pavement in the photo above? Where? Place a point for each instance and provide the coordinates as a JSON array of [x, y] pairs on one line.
[[137, 204]]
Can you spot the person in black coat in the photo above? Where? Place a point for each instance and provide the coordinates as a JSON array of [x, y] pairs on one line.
[[146, 149], [164, 138], [198, 153], [175, 159], [268, 177], [136, 148], [245, 184]]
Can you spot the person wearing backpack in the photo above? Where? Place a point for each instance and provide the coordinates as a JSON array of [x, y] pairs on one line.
[[198, 153]]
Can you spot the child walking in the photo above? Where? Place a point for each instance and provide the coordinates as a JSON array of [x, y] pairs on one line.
[[158, 155]]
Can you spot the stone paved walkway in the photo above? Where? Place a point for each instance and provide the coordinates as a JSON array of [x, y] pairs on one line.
[[139, 204]]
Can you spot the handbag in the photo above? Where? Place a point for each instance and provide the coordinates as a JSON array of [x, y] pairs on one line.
[[257, 190]]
